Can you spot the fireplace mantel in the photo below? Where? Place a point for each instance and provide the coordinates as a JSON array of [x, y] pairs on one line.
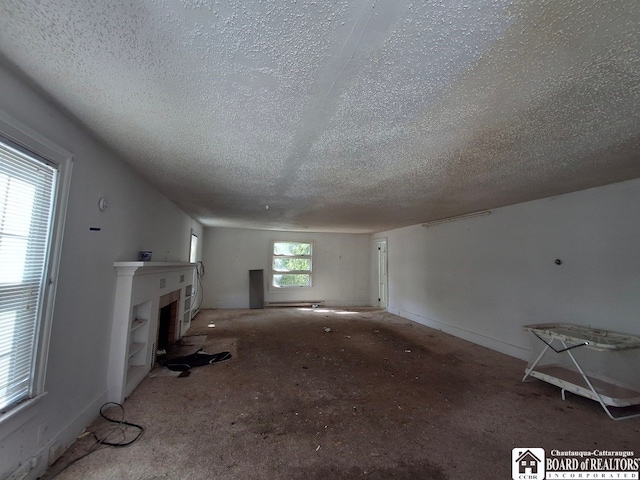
[[134, 334], [143, 268]]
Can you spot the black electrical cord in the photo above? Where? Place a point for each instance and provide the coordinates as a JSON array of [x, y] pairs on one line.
[[119, 422], [100, 442]]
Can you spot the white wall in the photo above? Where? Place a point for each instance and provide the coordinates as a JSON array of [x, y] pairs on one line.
[[340, 267], [485, 277], [139, 218]]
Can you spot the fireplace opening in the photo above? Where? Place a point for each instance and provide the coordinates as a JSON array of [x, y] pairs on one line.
[[167, 327], [168, 321]]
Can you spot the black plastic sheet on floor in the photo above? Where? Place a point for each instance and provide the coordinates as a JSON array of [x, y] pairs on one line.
[[198, 359]]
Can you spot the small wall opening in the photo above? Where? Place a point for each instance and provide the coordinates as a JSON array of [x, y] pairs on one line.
[[168, 320]]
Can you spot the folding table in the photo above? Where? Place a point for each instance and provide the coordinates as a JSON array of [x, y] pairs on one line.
[[570, 337]]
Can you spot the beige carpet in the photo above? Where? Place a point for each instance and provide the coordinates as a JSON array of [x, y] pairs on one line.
[[377, 397]]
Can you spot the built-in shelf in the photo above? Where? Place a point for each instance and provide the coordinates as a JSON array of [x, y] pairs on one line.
[[139, 287], [137, 323], [135, 348], [187, 315]]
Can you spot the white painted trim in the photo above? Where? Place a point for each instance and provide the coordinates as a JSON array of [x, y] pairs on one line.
[[294, 303], [343, 304], [57, 235], [272, 272], [377, 242], [36, 143], [129, 269], [30, 139], [18, 416], [68, 434], [485, 341]]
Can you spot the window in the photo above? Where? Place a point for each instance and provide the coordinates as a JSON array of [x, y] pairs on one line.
[[31, 214], [291, 264], [193, 248]]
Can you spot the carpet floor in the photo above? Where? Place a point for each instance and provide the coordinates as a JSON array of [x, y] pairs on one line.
[[377, 397]]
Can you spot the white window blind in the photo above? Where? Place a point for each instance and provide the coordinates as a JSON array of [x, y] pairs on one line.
[[27, 192]]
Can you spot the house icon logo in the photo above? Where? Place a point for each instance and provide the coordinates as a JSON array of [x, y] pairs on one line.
[[527, 464]]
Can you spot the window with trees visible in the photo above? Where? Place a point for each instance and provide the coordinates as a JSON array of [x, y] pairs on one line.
[[291, 264]]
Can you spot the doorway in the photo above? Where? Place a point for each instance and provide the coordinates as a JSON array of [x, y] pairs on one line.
[[381, 245]]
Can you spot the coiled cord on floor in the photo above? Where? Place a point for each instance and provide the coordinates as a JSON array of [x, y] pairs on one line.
[[121, 427], [119, 422]]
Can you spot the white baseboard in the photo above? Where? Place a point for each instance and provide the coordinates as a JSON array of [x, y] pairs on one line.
[[68, 434], [295, 303], [474, 337]]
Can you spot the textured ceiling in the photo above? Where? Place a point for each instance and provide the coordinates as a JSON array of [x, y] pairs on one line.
[[353, 116]]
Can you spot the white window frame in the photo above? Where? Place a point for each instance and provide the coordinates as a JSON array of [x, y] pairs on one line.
[[273, 256], [193, 247], [31, 141]]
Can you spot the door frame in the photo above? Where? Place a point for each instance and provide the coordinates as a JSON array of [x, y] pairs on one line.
[[382, 272]]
